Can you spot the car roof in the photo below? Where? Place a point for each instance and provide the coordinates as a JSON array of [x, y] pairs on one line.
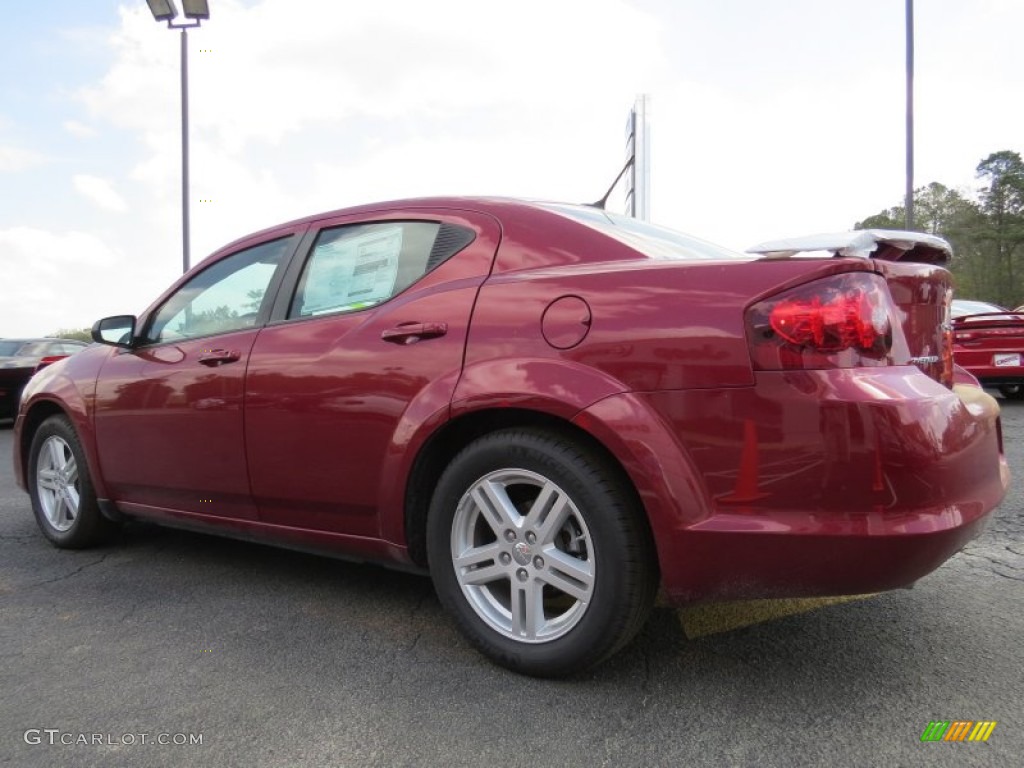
[[35, 339], [482, 204], [39, 339]]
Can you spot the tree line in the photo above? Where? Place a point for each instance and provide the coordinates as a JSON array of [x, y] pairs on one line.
[[985, 228]]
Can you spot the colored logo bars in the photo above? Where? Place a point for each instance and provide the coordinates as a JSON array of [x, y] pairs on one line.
[[958, 730]]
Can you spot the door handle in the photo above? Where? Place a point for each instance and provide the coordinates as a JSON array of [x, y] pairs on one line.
[[410, 333], [215, 357]]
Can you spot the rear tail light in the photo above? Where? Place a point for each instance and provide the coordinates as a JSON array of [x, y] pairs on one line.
[[48, 360], [843, 321]]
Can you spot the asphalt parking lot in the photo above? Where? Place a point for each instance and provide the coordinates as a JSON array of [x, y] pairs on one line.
[[273, 658]]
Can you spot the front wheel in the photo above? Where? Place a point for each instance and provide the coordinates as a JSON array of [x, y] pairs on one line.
[[1012, 391], [61, 490], [540, 551]]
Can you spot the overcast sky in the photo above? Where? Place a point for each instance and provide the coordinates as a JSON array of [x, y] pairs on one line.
[[768, 119]]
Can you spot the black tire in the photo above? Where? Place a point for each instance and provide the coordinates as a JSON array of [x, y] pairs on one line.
[[588, 536], [61, 489], [1012, 391]]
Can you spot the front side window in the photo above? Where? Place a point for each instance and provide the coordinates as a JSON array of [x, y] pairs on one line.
[[225, 297], [357, 266]]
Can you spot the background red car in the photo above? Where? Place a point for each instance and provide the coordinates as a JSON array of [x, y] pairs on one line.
[[988, 341], [551, 408]]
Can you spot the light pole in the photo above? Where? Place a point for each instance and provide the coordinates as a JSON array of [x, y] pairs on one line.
[[909, 201], [196, 10]]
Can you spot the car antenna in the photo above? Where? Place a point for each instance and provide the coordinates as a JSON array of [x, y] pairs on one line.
[[601, 203]]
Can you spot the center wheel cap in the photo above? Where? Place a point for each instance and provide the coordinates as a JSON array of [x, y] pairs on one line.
[[521, 552]]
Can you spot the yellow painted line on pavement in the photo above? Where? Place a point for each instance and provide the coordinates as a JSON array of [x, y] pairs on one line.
[[713, 618]]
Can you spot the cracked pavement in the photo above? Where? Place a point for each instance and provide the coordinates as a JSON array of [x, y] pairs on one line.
[[285, 659]]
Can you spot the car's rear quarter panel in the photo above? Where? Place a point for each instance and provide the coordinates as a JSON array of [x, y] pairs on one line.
[[754, 482]]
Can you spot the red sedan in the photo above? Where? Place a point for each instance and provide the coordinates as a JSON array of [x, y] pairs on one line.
[[989, 342], [552, 409]]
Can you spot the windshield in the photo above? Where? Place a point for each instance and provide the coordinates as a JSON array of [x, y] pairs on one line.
[[652, 241]]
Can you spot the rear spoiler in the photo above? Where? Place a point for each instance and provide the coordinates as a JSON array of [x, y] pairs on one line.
[[887, 244]]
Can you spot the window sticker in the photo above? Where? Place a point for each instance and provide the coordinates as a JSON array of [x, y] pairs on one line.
[[353, 272]]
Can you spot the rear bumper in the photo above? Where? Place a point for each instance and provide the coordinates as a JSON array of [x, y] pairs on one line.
[[818, 482], [870, 555], [981, 365]]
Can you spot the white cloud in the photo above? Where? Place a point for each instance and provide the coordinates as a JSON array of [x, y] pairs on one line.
[[79, 129], [62, 280], [17, 159], [100, 192]]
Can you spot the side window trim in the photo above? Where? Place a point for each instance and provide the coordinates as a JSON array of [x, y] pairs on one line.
[[289, 278], [274, 291]]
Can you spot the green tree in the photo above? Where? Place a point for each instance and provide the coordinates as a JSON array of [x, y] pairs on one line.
[[1002, 201], [986, 230], [939, 210], [80, 334]]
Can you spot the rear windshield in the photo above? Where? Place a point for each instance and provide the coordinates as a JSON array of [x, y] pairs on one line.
[[10, 348], [965, 307], [652, 241]]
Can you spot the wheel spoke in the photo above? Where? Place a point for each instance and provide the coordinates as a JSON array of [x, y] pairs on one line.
[[556, 512], [568, 574], [492, 499], [71, 470], [64, 514], [527, 609], [56, 448], [479, 565], [47, 479], [72, 498]]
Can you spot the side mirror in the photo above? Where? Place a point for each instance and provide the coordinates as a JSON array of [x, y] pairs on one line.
[[117, 331]]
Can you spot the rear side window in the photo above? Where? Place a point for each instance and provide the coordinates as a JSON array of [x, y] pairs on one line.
[[357, 266]]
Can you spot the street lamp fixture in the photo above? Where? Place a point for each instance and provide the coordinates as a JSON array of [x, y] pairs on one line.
[[165, 10], [162, 10], [196, 11]]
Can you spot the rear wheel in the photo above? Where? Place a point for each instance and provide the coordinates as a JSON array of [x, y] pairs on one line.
[[538, 549], [1012, 391], [61, 490]]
